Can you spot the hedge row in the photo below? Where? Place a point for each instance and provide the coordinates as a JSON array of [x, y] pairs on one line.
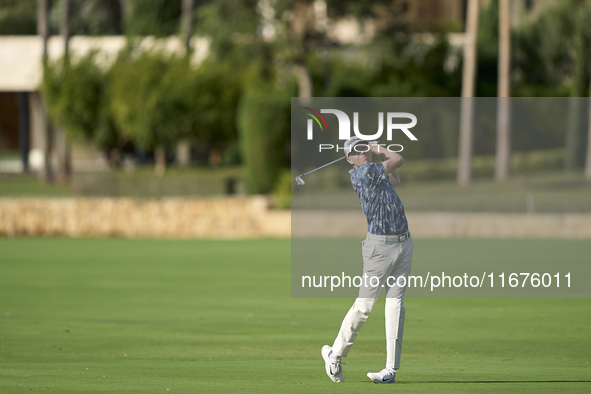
[[336, 177]]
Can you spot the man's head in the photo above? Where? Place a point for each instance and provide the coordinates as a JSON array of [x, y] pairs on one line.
[[357, 152]]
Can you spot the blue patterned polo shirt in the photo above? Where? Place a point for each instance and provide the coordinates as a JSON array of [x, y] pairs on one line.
[[380, 203]]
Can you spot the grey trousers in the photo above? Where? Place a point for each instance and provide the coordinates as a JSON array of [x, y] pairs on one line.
[[385, 259]]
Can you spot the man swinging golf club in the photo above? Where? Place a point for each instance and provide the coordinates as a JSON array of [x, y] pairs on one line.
[[387, 255]]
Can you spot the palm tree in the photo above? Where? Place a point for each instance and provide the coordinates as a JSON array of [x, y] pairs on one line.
[[573, 156], [183, 148], [588, 160], [187, 23], [468, 87], [64, 167], [503, 155], [46, 174]]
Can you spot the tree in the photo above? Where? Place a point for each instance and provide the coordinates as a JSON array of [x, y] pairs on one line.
[[89, 17], [551, 58], [18, 17], [159, 99], [574, 129], [279, 39], [158, 18], [588, 155], [263, 119], [187, 23], [63, 147], [140, 103], [468, 81], [183, 149], [75, 92], [503, 155], [217, 87], [46, 174]]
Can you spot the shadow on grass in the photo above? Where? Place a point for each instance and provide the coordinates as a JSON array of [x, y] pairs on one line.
[[496, 381]]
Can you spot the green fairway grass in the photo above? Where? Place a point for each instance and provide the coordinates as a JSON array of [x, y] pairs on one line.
[[163, 316]]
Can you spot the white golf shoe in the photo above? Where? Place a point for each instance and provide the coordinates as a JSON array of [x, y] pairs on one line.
[[333, 368], [384, 376]]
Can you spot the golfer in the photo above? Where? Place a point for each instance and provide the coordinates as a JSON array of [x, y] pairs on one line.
[[387, 257]]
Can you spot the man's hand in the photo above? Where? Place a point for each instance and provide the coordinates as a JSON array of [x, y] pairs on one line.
[[390, 160]]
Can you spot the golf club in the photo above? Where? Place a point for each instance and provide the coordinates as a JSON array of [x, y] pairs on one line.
[[299, 179]]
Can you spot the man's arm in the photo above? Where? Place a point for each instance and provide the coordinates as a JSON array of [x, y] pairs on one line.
[[390, 160], [394, 178]]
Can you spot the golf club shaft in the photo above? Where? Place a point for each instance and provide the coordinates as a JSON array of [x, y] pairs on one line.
[[327, 164]]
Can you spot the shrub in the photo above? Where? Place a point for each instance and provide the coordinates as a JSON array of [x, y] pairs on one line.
[[76, 96], [263, 122], [147, 95], [282, 190]]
